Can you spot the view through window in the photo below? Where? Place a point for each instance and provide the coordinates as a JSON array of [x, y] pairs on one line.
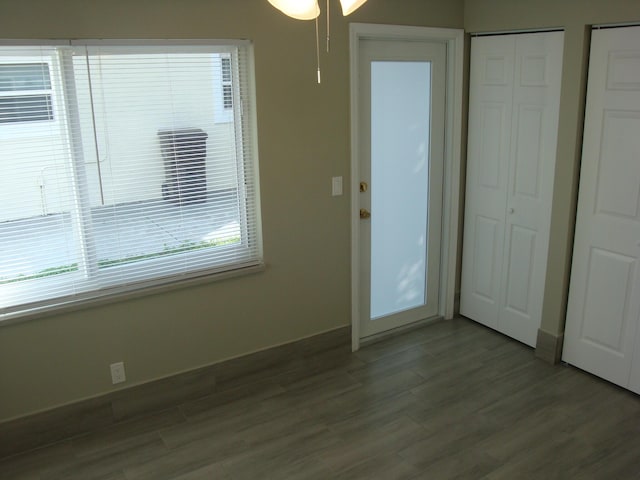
[[115, 172]]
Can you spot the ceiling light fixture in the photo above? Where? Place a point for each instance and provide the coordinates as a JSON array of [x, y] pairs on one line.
[[309, 10]]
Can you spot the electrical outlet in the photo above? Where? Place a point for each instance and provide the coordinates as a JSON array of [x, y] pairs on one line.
[[117, 373]]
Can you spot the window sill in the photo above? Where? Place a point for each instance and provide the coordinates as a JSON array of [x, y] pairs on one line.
[[121, 296]]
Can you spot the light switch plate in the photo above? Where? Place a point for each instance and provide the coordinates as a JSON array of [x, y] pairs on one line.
[[336, 186]]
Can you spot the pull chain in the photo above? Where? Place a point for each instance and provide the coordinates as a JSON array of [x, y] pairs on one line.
[[328, 29], [318, 49]]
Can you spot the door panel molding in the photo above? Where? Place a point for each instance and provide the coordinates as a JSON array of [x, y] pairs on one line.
[[454, 40]]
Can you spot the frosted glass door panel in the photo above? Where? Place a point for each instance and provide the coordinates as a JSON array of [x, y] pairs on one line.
[[400, 126]]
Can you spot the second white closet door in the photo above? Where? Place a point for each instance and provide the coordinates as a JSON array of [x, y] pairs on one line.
[[513, 122], [603, 314]]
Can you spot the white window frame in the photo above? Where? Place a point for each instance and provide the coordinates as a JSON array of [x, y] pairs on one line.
[[138, 283]]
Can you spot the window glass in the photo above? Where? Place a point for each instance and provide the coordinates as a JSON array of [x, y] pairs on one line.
[[25, 108], [24, 76], [25, 92]]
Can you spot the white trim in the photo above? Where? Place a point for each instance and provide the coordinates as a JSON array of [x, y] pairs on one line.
[[125, 293], [615, 25], [122, 42], [454, 38], [30, 42], [160, 42], [516, 32]]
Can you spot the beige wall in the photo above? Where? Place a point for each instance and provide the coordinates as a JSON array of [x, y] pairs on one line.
[[576, 17], [303, 140]]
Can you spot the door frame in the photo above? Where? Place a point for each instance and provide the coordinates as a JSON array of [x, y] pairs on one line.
[[454, 40]]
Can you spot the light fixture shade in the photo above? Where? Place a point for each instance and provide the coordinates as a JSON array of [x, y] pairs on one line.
[[350, 6], [298, 9]]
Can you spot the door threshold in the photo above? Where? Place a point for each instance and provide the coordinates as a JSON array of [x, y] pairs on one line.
[[398, 331]]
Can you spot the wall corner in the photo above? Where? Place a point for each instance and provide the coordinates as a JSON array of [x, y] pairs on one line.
[[549, 346]]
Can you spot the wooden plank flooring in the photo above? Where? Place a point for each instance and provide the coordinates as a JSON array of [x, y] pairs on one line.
[[451, 400]]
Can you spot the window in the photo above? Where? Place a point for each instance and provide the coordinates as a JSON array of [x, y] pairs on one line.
[[223, 88], [139, 185], [25, 92], [227, 93]]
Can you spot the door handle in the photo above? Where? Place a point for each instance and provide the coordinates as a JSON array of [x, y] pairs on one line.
[[364, 213]]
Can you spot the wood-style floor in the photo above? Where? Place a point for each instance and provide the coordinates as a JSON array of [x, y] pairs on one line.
[[450, 400]]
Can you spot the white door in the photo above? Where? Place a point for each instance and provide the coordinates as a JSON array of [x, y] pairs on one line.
[[513, 121], [401, 136], [601, 334]]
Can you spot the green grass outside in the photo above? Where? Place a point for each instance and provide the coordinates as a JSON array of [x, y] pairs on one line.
[[107, 263]]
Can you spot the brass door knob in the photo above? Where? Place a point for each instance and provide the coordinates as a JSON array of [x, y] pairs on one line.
[[364, 213]]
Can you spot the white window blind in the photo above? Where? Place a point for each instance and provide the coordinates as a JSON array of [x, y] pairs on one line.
[[115, 173]]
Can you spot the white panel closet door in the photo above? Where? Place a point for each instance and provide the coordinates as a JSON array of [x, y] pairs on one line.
[[513, 123], [490, 104], [601, 334]]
